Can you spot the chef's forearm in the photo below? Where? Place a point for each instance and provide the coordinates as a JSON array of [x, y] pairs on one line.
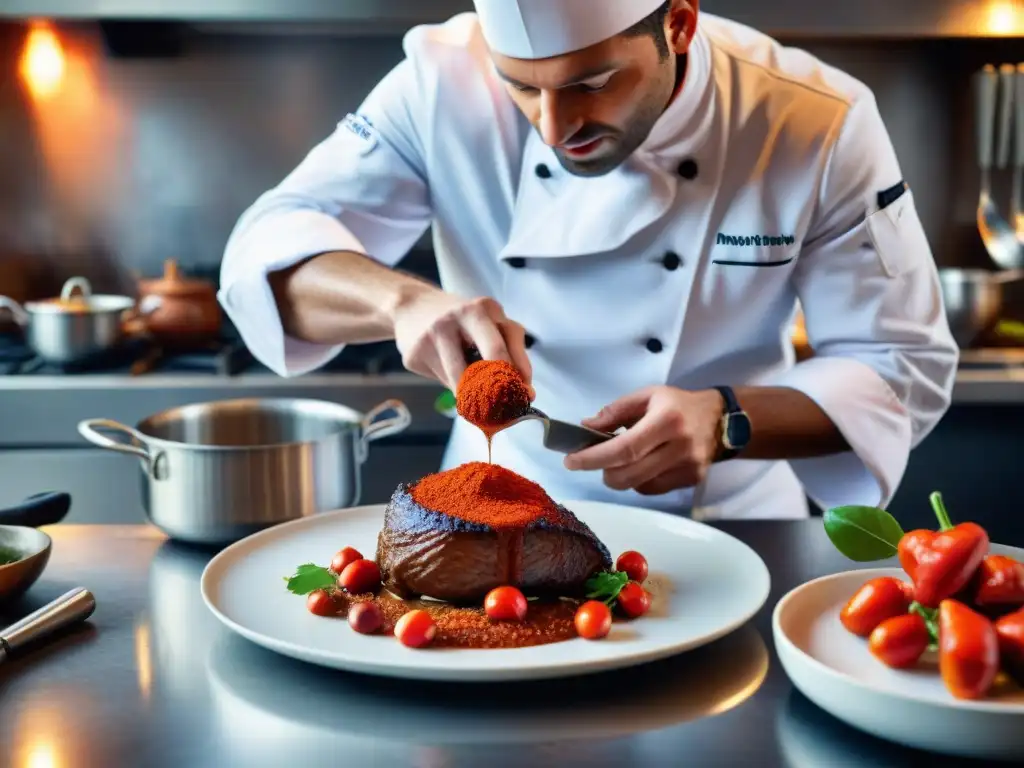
[[341, 298], [787, 424]]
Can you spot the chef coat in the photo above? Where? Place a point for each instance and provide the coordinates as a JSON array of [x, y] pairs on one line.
[[756, 193]]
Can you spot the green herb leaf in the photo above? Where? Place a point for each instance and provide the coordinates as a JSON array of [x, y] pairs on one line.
[[863, 534], [606, 585], [309, 578], [931, 620], [445, 403]]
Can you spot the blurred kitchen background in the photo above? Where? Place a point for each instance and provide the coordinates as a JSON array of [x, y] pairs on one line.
[[134, 132]]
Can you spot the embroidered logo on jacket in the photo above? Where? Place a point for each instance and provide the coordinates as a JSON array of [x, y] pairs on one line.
[[755, 240], [362, 127]]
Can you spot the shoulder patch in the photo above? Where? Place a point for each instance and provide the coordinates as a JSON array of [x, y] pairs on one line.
[[362, 128]]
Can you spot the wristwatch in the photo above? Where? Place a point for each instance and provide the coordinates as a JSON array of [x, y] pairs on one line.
[[736, 428]]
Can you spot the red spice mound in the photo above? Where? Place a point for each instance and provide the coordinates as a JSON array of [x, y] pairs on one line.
[[486, 494], [491, 393]]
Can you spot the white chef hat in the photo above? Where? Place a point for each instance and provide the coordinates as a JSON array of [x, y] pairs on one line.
[[538, 29]]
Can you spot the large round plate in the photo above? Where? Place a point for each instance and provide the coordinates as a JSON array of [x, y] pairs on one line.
[[705, 584], [834, 669]]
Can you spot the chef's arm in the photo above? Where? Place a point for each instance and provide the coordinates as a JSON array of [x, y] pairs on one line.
[[342, 297], [787, 424], [885, 361]]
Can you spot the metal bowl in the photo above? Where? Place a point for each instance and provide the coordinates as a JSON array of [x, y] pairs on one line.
[[974, 301]]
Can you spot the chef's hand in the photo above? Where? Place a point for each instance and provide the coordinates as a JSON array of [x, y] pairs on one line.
[[433, 329], [672, 438]]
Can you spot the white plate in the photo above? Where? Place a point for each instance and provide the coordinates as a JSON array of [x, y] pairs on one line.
[[705, 584], [834, 669]]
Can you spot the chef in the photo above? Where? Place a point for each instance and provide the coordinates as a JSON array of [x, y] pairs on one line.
[[630, 201]]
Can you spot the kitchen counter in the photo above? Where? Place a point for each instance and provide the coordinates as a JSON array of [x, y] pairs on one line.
[[153, 679]]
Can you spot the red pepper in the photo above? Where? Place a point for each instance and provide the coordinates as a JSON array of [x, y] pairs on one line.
[[877, 600], [899, 642], [1010, 632], [941, 564], [968, 650], [999, 581]]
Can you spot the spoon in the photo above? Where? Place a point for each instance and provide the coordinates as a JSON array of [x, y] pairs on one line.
[[1017, 195], [1000, 241], [561, 436]]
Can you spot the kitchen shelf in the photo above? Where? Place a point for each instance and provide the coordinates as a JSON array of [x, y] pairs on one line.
[[807, 19]]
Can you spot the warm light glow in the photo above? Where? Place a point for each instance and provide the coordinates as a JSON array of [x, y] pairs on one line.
[[144, 660], [41, 754], [1005, 17], [42, 63]]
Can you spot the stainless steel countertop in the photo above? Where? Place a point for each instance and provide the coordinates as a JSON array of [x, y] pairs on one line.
[[154, 680]]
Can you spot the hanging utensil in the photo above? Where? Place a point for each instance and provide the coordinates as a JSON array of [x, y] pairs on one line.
[[999, 239], [1017, 194]]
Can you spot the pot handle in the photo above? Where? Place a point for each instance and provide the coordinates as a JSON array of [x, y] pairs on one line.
[[375, 430], [19, 313], [76, 282], [88, 430]]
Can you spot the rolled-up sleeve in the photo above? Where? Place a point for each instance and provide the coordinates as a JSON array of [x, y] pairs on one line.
[[885, 361], [363, 189]]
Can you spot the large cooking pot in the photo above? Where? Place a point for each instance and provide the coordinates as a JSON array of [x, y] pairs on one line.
[[73, 327], [213, 473]]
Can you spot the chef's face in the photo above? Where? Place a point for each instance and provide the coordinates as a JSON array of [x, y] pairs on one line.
[[595, 107]]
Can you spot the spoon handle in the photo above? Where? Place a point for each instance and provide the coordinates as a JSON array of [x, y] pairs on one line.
[[985, 109], [1006, 121], [71, 608], [39, 510]]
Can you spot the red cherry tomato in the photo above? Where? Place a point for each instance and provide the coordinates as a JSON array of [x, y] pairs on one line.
[[505, 604], [634, 564], [360, 576], [634, 600], [365, 618], [320, 603], [593, 620], [343, 558], [415, 629], [899, 641], [877, 600]]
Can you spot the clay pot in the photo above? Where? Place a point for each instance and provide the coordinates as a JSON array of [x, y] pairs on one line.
[[180, 309]]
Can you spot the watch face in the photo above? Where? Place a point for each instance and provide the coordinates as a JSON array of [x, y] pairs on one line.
[[737, 430]]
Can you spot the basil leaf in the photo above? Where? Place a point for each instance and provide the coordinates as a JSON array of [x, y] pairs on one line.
[[606, 585], [445, 404], [309, 578], [863, 534]]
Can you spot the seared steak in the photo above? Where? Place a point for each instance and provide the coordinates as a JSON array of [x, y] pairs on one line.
[[425, 552]]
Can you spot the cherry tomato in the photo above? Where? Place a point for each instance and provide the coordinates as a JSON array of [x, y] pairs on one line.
[[634, 564], [360, 576], [876, 601], [505, 603], [365, 618], [899, 642], [634, 600], [415, 629], [593, 620], [320, 603], [343, 558]]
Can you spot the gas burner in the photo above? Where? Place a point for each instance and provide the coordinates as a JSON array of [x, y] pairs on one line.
[[222, 357]]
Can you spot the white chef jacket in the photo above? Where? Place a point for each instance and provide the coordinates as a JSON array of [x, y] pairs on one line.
[[755, 194]]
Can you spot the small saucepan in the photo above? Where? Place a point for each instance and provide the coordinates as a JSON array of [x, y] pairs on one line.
[[73, 327], [974, 300]]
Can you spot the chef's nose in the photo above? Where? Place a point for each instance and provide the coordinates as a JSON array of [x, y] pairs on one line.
[[555, 122]]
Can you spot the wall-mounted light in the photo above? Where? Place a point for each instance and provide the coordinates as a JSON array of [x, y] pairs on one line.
[[43, 62], [1004, 17]]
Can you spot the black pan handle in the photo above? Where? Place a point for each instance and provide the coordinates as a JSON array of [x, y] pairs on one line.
[[36, 511]]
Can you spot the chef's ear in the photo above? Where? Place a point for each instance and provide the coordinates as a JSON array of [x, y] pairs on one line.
[[681, 24]]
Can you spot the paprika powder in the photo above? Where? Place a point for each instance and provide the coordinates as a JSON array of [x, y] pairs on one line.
[[487, 494], [491, 394]]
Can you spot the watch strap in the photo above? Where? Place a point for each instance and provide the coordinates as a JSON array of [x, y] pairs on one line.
[[732, 405]]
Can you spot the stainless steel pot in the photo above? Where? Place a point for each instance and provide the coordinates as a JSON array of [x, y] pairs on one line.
[[974, 300], [71, 328], [213, 473]]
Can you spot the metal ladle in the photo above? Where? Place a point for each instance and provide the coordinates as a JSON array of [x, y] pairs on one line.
[[1017, 195], [999, 239]]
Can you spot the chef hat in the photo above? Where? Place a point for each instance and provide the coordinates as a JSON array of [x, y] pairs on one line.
[[538, 29]]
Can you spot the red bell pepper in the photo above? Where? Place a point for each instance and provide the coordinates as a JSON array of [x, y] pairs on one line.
[[1010, 633], [999, 582], [942, 563], [968, 650], [877, 600]]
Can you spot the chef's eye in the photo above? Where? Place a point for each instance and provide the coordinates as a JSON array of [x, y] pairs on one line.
[[597, 84]]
